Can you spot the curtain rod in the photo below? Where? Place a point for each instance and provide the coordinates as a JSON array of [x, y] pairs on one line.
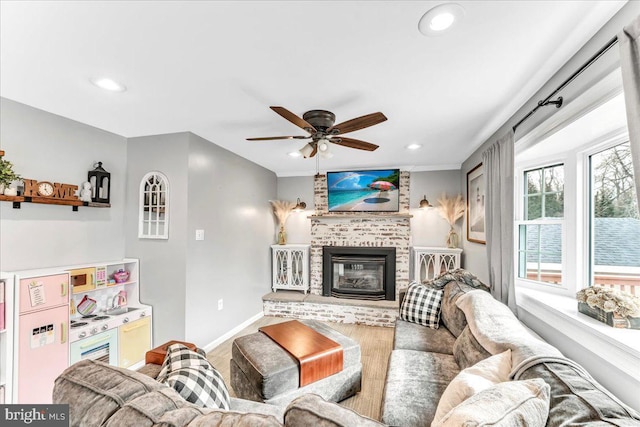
[[558, 102]]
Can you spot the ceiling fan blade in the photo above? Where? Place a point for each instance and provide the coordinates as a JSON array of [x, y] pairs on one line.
[[357, 123], [354, 143], [298, 121], [269, 138]]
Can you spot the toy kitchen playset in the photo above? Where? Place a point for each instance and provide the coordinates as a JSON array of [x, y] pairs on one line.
[[72, 313]]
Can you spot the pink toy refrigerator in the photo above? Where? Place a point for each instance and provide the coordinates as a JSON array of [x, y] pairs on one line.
[[43, 347]]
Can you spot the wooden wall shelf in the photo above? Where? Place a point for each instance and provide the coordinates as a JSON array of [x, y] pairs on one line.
[[18, 200]]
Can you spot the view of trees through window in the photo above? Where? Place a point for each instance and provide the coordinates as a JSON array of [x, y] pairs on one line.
[[615, 231]]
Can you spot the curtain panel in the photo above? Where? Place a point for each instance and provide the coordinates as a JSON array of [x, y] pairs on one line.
[[629, 41], [498, 162]]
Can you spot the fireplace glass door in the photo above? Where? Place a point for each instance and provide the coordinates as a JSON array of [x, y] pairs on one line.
[[358, 274]]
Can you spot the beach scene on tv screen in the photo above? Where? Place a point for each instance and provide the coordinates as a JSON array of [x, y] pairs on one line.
[[365, 191]]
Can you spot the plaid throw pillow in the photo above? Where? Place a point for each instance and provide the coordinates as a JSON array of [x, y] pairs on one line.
[[422, 305], [191, 375]]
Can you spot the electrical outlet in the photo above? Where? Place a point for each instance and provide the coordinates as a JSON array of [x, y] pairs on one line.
[[199, 234], [220, 304]]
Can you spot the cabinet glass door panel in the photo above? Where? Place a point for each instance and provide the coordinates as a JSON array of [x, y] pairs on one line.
[[427, 267], [297, 268], [282, 258]]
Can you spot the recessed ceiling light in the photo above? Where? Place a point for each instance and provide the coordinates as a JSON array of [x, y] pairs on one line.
[[413, 146], [440, 18], [294, 154], [108, 84]]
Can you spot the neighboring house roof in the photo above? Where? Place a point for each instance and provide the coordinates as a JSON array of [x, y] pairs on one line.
[[617, 242]]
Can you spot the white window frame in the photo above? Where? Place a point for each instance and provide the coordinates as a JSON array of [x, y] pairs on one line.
[[576, 268], [567, 280], [616, 138], [142, 234]]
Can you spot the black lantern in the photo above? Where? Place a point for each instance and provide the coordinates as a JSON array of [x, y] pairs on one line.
[[100, 181]]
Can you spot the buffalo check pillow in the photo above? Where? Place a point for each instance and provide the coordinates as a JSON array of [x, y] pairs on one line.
[[191, 375], [422, 305]]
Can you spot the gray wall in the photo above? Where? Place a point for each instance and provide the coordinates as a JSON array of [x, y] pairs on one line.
[[228, 198], [47, 147], [428, 228], [474, 255], [162, 262]]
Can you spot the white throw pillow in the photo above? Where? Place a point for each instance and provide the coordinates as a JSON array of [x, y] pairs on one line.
[[473, 380], [508, 404]]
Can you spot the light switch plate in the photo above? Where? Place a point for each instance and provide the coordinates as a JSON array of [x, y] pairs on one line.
[[199, 234]]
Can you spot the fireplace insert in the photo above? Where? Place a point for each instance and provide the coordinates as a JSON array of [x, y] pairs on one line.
[[359, 273]]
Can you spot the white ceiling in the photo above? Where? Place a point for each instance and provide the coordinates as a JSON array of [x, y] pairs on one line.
[[214, 68]]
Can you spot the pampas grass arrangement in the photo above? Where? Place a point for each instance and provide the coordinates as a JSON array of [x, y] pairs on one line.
[[451, 209], [282, 209]]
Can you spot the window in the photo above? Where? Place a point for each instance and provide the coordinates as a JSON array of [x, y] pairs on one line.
[[540, 234], [153, 222], [615, 222], [577, 216]]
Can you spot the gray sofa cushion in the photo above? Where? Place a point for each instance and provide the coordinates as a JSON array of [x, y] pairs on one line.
[[166, 408], [467, 350], [99, 394], [414, 384], [311, 410], [576, 400], [412, 336], [95, 390], [452, 317]]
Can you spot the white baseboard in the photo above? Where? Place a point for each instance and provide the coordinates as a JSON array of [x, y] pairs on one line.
[[213, 344]]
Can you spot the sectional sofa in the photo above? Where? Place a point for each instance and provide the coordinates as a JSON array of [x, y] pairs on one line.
[[473, 328]]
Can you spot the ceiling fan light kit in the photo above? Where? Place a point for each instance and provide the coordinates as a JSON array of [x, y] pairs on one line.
[[306, 151], [319, 124]]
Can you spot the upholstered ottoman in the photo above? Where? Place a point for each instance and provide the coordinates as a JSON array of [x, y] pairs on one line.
[[263, 371]]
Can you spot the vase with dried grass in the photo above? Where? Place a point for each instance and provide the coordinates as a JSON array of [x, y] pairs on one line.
[[282, 209], [452, 210]]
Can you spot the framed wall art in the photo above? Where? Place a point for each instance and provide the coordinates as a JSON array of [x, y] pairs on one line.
[[475, 205]]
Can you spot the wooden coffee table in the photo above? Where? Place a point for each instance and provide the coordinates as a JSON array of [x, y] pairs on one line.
[[317, 355]]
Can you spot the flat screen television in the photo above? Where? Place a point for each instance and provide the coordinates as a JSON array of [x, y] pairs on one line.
[[364, 191]]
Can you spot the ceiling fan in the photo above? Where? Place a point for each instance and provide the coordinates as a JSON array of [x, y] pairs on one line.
[[322, 130]]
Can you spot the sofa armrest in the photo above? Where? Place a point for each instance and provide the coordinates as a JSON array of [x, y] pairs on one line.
[[249, 406], [313, 410]]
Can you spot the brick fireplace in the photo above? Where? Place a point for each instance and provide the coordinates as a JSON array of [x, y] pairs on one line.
[[361, 229], [350, 229]]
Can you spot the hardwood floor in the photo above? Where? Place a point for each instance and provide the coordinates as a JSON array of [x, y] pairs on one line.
[[375, 344]]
